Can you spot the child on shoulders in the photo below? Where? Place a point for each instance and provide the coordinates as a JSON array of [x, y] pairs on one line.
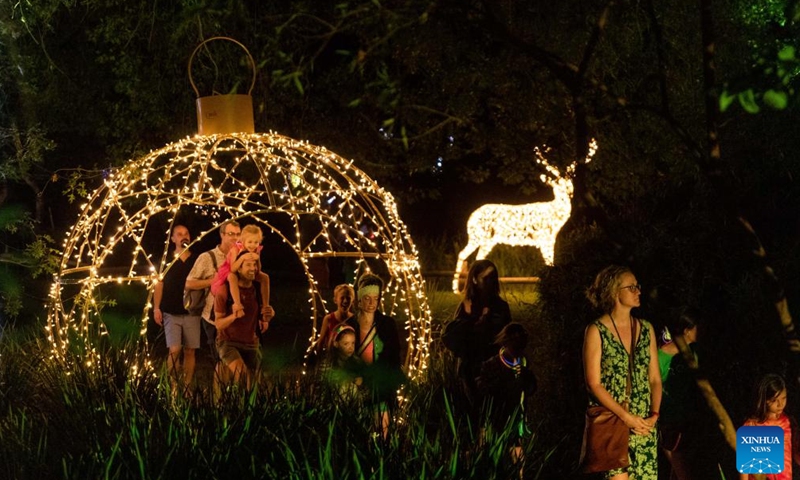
[[249, 242]]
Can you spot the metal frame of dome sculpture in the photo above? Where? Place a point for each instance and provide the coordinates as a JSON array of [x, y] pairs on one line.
[[312, 199]]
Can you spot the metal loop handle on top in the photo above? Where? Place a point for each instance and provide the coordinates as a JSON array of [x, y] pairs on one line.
[[249, 57]]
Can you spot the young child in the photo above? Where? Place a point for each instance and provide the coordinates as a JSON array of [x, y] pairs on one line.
[[343, 296], [506, 381], [341, 368], [249, 242], [768, 411]]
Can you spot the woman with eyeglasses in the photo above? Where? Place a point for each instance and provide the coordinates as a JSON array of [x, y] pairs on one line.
[[614, 345]]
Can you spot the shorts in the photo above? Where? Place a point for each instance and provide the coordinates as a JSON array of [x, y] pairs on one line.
[[229, 352], [211, 338], [182, 330]]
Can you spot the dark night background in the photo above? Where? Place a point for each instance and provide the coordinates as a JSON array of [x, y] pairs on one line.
[[442, 102]]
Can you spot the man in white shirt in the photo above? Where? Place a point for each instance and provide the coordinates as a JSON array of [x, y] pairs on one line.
[[202, 275]]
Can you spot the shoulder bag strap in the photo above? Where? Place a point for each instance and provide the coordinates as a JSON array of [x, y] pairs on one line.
[[628, 386], [367, 340]]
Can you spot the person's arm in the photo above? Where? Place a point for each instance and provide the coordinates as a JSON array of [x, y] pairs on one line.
[[263, 282], [158, 292], [198, 284], [592, 356], [496, 317], [233, 284], [322, 341], [234, 259], [199, 277], [222, 319], [654, 377]]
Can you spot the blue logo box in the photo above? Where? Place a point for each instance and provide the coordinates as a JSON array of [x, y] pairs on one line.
[[759, 450]]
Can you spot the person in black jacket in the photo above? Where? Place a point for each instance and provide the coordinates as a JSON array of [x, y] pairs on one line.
[[378, 346], [477, 322]]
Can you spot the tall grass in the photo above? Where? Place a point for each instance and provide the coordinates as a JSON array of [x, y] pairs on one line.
[[104, 422]]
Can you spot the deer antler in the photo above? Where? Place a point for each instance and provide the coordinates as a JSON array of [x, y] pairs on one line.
[[570, 170], [541, 160]]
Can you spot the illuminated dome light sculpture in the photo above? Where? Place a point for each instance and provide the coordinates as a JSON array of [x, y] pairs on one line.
[[316, 202], [530, 224]]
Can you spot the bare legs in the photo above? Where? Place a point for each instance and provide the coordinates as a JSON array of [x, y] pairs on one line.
[[181, 374]]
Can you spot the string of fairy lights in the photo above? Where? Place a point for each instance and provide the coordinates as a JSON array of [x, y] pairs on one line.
[[316, 202], [530, 224]]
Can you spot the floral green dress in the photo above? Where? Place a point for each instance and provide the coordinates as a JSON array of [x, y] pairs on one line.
[[642, 449]]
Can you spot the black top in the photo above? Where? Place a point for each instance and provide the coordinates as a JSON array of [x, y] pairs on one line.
[[471, 335], [504, 387], [384, 376], [681, 399], [174, 283]]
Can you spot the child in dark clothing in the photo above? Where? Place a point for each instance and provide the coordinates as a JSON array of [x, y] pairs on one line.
[[505, 382], [341, 368]]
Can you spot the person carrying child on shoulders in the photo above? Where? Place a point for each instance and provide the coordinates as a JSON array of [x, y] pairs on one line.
[[237, 342], [249, 242]]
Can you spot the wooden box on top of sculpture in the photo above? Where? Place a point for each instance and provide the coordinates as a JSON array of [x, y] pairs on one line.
[[225, 114]]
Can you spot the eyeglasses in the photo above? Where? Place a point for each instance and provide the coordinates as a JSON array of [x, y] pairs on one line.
[[633, 288], [233, 234]]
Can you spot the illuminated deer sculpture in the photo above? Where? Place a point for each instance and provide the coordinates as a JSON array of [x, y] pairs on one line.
[[530, 224]]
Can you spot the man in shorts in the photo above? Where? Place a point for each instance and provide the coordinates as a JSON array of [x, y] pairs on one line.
[[237, 342], [203, 273], [181, 329]]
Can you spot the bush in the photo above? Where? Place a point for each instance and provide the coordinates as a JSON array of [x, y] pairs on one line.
[[107, 421]]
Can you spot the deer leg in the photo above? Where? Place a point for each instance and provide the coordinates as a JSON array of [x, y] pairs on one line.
[[548, 251], [484, 250]]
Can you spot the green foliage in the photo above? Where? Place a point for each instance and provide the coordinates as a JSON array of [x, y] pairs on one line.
[[773, 79], [782, 73], [22, 151], [103, 421], [76, 187], [38, 256], [44, 258]]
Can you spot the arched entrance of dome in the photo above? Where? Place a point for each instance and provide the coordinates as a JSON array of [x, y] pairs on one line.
[[316, 202]]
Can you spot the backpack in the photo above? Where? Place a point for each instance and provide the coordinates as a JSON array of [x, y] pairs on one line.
[[194, 301]]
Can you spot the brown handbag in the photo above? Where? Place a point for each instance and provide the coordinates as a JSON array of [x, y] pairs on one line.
[[605, 435]]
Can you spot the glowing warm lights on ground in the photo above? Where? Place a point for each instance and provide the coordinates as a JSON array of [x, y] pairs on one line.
[[531, 224], [313, 200]]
